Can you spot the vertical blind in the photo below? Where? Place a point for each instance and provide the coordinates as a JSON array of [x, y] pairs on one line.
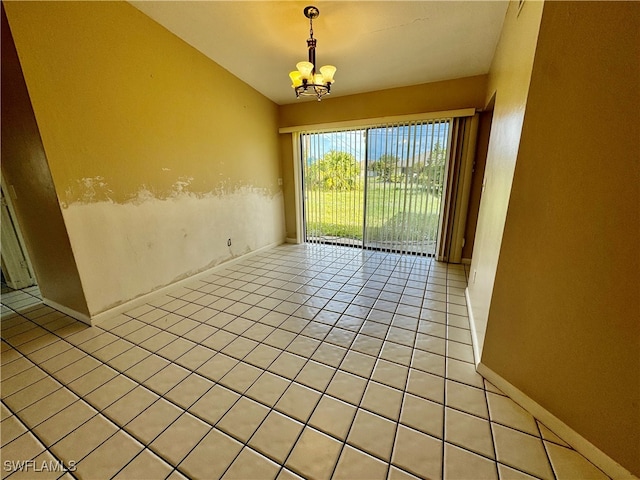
[[377, 187]]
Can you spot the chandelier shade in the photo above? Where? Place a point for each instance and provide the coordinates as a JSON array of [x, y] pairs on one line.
[[306, 81]]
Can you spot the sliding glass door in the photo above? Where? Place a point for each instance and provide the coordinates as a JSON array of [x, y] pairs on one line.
[[378, 187]]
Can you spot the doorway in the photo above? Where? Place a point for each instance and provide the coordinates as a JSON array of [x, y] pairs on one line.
[[378, 187]]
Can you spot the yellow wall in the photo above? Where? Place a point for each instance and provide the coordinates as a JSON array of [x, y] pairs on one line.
[[26, 173], [158, 154], [509, 78], [454, 94], [564, 322]]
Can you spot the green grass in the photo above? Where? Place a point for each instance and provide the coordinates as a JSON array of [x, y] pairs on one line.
[[340, 214]]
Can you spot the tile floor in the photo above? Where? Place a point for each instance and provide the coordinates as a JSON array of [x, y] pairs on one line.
[[302, 361]]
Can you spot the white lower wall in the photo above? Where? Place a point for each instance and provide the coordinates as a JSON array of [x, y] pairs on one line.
[[127, 250]]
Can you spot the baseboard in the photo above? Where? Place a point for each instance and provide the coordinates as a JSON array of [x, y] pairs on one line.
[[292, 240], [465, 261], [472, 326], [592, 453], [84, 318], [145, 298]]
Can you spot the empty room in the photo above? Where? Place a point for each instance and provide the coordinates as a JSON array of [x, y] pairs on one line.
[[339, 240]]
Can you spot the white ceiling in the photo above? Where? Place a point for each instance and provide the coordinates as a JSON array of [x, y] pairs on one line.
[[374, 45]]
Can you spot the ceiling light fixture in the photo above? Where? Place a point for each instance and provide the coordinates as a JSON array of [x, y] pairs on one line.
[[305, 81]]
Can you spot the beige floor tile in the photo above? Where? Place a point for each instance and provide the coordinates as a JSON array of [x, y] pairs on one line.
[[146, 465], [431, 344], [214, 404], [241, 377], [92, 380], [466, 398], [47, 407], [112, 350], [195, 357], [110, 392], [390, 374], [550, 436], [340, 337], [166, 379], [50, 351], [13, 368], [217, 367], [383, 400], [268, 388], [460, 464], [276, 436], [521, 451], [129, 358], [429, 362], [288, 365], [358, 364], [62, 360], [298, 402], [176, 442], [426, 385], [151, 422], [147, 368], [357, 465], [507, 412], [130, 405], [508, 473], [189, 390], [396, 474], [243, 419], [63, 422], [10, 429], [373, 434], [211, 457], [423, 415], [396, 353], [262, 356], [251, 465], [31, 394], [315, 375], [314, 455], [460, 351], [569, 464], [468, 431], [418, 453], [82, 441], [21, 380], [176, 348], [333, 417], [240, 348], [367, 344], [22, 448], [98, 342], [109, 458], [347, 387], [464, 372], [77, 369]]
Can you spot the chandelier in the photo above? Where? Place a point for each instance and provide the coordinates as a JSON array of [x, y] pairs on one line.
[[305, 81]]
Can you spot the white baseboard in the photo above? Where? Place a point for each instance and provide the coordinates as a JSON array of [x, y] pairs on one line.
[[292, 240], [143, 299], [592, 453], [472, 326], [67, 311]]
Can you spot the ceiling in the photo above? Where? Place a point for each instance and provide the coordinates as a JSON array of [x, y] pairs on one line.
[[374, 45]]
